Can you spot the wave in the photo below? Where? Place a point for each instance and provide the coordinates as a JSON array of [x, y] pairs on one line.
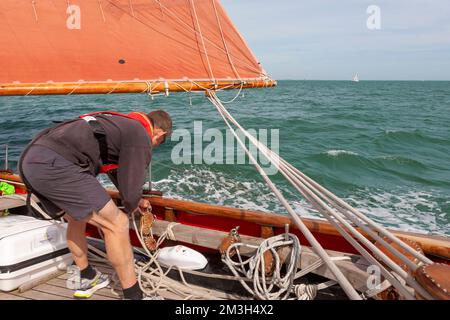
[[414, 137], [407, 210], [336, 153], [351, 160]]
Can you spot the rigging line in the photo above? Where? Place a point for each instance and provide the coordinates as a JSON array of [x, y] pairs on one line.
[[353, 219], [343, 281], [174, 15], [223, 39], [328, 211], [115, 87], [203, 41], [235, 97], [101, 9], [75, 88], [360, 215], [325, 194], [357, 245], [364, 240], [33, 3], [323, 206], [131, 8], [344, 233]]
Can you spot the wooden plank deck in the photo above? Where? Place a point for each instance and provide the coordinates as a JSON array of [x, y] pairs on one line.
[[56, 289]]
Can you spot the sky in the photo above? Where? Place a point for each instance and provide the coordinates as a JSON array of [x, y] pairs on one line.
[[330, 39]]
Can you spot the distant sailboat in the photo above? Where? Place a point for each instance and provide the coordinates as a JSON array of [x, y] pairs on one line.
[[355, 78]]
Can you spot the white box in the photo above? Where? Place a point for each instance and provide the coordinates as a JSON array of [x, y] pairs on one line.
[[30, 249]]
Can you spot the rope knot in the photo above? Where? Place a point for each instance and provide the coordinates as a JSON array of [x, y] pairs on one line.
[[305, 291]]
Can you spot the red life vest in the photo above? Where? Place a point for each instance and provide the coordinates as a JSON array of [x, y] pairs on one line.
[[141, 117]]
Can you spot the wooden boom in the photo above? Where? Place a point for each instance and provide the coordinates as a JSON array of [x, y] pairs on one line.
[[154, 87]]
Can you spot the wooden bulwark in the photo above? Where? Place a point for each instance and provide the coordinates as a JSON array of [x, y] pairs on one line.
[[438, 246], [154, 87], [432, 245]]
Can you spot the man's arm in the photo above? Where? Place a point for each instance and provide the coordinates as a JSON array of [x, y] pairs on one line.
[[133, 164]]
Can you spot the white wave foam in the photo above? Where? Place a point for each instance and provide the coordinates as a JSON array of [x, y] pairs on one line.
[[415, 211], [335, 153], [408, 211]]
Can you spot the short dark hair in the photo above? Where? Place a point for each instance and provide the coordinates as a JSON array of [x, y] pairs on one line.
[[162, 120]]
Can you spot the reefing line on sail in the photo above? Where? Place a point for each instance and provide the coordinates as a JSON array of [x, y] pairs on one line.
[[312, 192]]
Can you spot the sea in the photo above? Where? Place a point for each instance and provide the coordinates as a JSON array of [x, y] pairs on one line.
[[382, 146]]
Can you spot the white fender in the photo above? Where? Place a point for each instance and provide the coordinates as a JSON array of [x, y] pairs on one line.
[[182, 257]]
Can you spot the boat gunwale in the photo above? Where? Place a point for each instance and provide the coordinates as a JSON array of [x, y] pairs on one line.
[[433, 245]]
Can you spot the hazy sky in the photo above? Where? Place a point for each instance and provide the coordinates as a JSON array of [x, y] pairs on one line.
[[329, 39]]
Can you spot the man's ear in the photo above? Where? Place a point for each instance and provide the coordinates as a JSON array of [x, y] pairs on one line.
[[158, 136]]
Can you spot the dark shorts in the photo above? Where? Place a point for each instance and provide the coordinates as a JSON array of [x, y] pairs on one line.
[[62, 185]]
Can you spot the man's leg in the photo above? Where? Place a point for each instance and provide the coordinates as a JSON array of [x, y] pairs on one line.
[[76, 241], [115, 226]]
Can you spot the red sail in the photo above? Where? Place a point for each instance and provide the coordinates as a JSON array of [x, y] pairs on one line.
[[72, 41]]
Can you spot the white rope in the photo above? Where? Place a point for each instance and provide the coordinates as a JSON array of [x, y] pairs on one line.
[[153, 279], [343, 281], [290, 174], [318, 189], [278, 285]]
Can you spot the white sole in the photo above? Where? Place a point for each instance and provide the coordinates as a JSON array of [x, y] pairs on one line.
[[86, 294]]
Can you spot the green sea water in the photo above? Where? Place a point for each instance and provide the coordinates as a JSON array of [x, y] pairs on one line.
[[382, 146]]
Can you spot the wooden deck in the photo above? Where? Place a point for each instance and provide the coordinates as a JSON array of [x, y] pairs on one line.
[[56, 289]]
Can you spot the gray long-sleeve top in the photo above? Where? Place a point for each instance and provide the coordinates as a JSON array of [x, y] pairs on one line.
[[129, 146]]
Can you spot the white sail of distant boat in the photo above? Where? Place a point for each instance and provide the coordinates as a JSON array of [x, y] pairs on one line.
[[355, 78]]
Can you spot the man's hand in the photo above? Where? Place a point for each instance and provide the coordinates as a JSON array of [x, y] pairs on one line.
[[144, 205]]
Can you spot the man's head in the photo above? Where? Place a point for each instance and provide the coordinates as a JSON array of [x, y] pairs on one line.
[[162, 125]]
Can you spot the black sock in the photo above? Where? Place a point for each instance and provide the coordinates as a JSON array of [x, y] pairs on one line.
[[133, 293], [88, 273]]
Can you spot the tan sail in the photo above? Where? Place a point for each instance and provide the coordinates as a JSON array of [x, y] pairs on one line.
[[122, 46]]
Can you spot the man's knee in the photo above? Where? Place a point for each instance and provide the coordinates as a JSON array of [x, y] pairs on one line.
[[122, 223], [74, 224], [110, 219]]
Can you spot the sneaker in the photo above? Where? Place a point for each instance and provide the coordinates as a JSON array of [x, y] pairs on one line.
[[89, 286]]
